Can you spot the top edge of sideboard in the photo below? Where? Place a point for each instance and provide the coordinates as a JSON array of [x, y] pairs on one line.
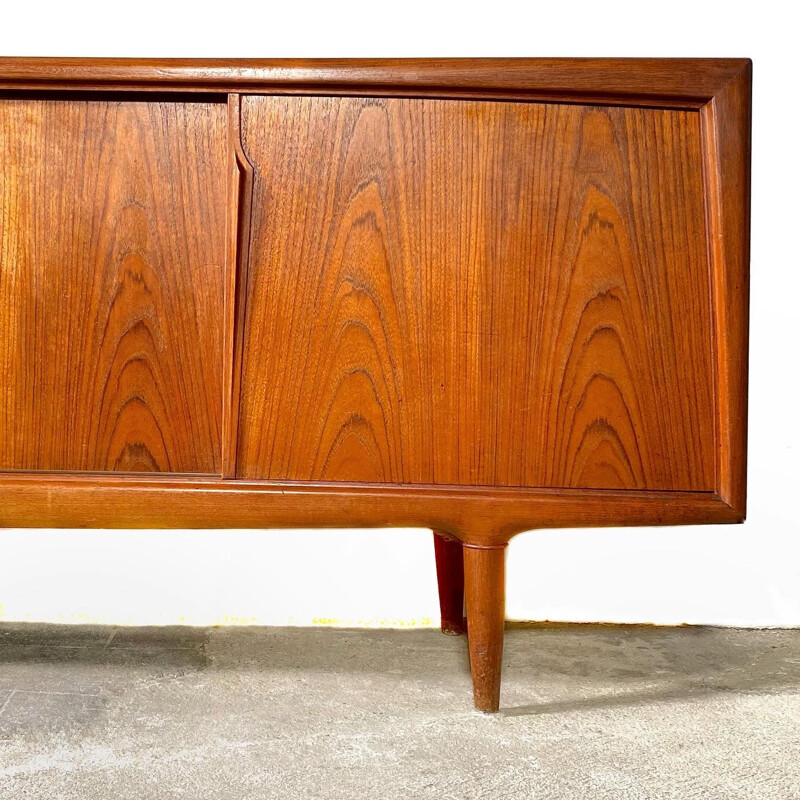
[[649, 81]]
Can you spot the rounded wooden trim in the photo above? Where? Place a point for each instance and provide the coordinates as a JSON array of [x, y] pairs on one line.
[[641, 81]]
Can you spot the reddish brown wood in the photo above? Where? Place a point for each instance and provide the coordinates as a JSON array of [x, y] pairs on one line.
[[240, 203], [476, 317], [484, 588], [112, 246], [643, 81], [450, 578], [544, 339], [726, 125], [484, 516]]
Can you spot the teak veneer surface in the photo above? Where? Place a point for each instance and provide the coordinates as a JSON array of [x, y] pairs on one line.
[[475, 295], [112, 254], [458, 292], [632, 81]]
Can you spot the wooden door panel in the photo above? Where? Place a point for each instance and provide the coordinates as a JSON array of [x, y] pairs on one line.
[[478, 293], [112, 257]]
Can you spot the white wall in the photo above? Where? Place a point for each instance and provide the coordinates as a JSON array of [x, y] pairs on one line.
[[726, 575]]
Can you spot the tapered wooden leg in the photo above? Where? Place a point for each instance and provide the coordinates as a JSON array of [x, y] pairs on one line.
[[484, 583], [450, 576]]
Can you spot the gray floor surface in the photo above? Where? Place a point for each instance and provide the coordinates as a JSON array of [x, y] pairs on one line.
[[240, 713]]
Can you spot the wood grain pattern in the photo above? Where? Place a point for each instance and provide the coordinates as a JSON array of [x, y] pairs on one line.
[[485, 595], [476, 515], [450, 580], [641, 81], [726, 127], [112, 254], [375, 312], [240, 201], [496, 294]]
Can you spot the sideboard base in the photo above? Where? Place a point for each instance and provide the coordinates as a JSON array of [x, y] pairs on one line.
[[472, 526], [480, 516]]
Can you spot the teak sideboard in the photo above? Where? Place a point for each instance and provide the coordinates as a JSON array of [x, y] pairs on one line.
[[477, 295]]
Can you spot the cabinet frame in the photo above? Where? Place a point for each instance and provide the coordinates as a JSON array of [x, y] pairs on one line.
[[718, 89]]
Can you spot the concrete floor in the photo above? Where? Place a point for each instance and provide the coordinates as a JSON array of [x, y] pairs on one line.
[[240, 713]]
